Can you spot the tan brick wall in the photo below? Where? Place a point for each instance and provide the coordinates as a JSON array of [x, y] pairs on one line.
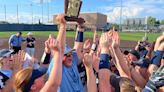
[[97, 20]]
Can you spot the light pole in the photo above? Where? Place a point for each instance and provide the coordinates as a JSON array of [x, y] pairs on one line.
[[41, 2], [32, 12], [48, 11], [5, 12], [17, 12], [121, 16]]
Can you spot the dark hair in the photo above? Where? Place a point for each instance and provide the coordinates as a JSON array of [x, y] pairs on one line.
[[20, 33]]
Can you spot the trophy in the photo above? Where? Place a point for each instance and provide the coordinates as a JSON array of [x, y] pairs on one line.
[[72, 9]]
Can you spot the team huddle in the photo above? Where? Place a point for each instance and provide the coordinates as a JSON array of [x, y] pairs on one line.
[[90, 66]]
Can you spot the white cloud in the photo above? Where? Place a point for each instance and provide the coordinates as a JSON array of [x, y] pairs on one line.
[[114, 15], [24, 17], [134, 8]]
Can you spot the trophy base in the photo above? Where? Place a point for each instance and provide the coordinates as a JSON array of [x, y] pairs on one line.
[[73, 19]]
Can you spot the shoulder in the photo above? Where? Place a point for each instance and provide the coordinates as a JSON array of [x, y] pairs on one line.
[[12, 36]]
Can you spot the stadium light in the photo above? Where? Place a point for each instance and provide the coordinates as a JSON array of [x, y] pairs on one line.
[[32, 12], [48, 11], [17, 12], [41, 2], [5, 12], [121, 16]]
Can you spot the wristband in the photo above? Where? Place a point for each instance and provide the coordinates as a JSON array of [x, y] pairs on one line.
[[94, 47], [79, 37], [104, 61], [46, 58], [157, 57]]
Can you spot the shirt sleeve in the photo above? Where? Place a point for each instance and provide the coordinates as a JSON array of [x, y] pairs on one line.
[[23, 39], [75, 58], [11, 39]]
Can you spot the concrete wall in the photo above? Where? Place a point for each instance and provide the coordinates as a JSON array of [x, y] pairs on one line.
[[27, 27]]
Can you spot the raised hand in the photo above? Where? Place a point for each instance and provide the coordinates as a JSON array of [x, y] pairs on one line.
[[87, 60], [104, 41], [60, 19], [47, 48], [18, 60], [53, 45], [87, 45]]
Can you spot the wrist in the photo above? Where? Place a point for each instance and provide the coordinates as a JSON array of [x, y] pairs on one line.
[[104, 61], [104, 51], [80, 28], [94, 47], [62, 26], [47, 51], [80, 36], [89, 69]]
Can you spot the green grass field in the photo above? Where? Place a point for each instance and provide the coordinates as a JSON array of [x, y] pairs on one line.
[[124, 35]]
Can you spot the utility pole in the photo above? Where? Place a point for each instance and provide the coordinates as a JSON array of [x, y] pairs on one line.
[[121, 16], [32, 13], [17, 14], [48, 11], [5, 12], [41, 2]]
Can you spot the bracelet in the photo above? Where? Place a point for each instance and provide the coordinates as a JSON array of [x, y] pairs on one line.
[[46, 58], [79, 37], [94, 47]]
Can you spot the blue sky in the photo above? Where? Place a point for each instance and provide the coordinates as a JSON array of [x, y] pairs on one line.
[[131, 9]]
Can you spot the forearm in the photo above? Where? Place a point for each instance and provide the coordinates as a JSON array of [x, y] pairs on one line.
[[55, 77], [137, 78], [104, 72], [78, 44], [61, 36], [104, 78], [121, 63], [155, 61], [56, 73], [91, 80], [137, 47]]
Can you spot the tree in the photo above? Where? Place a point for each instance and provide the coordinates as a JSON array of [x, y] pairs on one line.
[[151, 20], [162, 22]]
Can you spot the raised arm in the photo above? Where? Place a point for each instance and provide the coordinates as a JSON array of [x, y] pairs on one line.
[[104, 72], [57, 49], [121, 63], [158, 54], [91, 79], [10, 41], [123, 66], [79, 39], [55, 76]]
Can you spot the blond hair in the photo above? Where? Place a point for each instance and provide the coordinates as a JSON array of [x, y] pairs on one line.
[[126, 85], [22, 78]]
